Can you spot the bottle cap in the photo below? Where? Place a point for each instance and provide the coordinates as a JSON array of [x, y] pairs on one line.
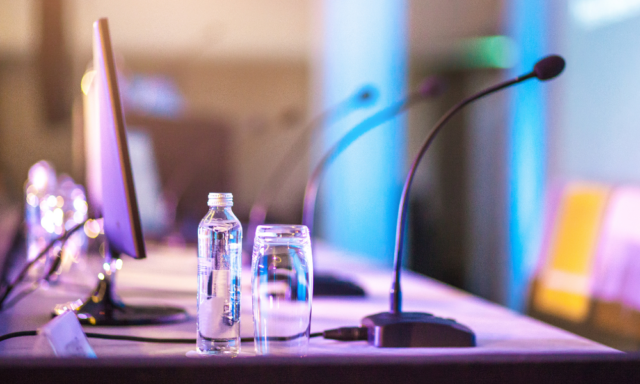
[[220, 200]]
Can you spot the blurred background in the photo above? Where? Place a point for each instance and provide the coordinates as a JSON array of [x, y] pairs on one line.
[[527, 199]]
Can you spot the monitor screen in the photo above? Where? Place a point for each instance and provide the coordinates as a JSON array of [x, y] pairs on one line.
[[119, 205]]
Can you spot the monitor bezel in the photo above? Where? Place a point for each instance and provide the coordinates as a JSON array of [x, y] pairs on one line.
[[103, 38]]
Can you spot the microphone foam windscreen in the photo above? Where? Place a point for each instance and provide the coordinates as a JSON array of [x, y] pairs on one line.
[[433, 86], [368, 95], [549, 67]]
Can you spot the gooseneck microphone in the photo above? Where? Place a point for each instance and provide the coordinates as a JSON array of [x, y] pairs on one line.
[[413, 329], [328, 285], [364, 97], [431, 87], [545, 69]]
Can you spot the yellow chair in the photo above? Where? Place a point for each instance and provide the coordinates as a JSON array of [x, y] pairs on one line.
[[563, 283]]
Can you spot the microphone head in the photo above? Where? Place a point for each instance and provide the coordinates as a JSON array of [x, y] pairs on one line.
[[368, 94], [549, 67], [432, 86]]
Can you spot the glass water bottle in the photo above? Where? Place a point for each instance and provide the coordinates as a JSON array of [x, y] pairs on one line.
[[219, 264]]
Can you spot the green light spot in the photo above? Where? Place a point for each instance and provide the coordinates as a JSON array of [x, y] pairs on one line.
[[490, 52]]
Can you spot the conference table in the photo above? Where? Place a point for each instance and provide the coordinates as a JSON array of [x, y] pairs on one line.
[[510, 346]]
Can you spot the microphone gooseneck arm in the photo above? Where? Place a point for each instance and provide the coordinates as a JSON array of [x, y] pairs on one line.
[[396, 293], [291, 159], [311, 190], [266, 194]]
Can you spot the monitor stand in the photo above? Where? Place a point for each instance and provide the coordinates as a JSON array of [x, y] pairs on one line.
[[104, 307]]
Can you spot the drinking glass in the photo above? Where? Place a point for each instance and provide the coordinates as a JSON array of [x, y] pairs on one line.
[[282, 289]]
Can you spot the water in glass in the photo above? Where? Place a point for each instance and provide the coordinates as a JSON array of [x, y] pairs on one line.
[[282, 289]]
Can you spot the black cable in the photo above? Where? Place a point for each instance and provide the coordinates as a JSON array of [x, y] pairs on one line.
[[162, 340], [20, 295], [36, 284], [17, 334], [142, 339], [25, 269], [350, 334]]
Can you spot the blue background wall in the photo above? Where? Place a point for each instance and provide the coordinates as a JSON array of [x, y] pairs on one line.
[[363, 42]]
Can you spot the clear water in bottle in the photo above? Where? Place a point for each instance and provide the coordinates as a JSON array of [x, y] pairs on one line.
[[219, 264]]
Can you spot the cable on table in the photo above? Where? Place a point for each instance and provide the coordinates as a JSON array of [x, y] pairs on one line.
[[342, 334]]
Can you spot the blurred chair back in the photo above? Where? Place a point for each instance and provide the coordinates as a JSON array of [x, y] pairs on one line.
[[616, 282], [588, 280], [563, 283], [193, 158]]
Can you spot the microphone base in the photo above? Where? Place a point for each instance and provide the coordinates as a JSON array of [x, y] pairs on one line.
[[416, 330], [331, 286]]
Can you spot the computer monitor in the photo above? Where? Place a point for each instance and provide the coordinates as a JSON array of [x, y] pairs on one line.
[[155, 211], [11, 241], [119, 206]]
